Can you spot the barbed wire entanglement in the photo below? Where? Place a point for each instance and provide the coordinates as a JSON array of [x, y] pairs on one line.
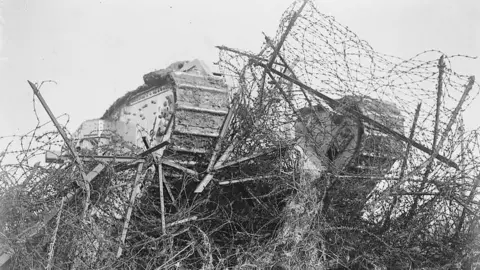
[[391, 204], [329, 162]]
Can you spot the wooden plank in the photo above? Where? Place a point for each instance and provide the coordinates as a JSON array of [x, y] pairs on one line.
[[203, 183], [178, 167], [96, 171]]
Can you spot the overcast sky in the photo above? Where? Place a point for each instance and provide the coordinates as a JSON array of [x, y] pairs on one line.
[[98, 50]]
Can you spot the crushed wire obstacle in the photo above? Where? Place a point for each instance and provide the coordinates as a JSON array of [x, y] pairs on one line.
[[420, 213]]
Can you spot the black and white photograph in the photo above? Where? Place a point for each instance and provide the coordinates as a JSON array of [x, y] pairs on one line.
[[240, 135]]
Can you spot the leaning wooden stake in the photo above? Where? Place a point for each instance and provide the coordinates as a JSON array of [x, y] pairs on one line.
[[289, 70], [279, 45], [435, 153], [429, 168], [83, 184], [130, 208], [162, 201], [386, 222], [468, 88], [409, 145], [290, 25]]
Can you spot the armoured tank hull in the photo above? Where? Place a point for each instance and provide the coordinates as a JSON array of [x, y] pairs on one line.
[[345, 144], [185, 104]]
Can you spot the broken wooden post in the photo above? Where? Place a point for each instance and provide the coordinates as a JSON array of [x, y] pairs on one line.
[[441, 70], [96, 171], [130, 208]]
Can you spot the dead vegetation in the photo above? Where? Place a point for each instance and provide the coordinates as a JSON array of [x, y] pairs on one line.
[[272, 211]]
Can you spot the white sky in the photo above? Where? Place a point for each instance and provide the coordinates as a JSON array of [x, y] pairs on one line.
[[98, 50]]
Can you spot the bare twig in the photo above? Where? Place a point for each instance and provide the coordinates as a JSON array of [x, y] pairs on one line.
[[181, 221]]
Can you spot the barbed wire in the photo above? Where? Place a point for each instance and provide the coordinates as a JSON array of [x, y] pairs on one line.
[[306, 202], [328, 57]]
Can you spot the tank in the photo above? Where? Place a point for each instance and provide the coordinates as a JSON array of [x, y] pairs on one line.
[[185, 95], [345, 144]]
